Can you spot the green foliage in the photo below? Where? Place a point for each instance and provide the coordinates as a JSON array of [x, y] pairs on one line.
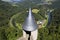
[[51, 32], [13, 34], [21, 17], [43, 33], [2, 34], [6, 12], [9, 33]]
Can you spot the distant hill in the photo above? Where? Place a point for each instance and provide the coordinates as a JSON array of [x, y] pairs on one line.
[[6, 11]]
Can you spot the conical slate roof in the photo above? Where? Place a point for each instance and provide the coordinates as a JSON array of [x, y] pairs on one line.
[[30, 24]]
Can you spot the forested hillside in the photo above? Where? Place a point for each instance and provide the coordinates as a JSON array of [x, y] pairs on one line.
[[7, 11], [52, 31]]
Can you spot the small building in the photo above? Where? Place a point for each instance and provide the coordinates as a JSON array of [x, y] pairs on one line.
[[40, 23]]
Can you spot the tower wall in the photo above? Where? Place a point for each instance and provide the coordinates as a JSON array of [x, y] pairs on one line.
[[34, 35]]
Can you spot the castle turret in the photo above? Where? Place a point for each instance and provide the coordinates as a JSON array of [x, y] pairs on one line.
[[30, 24], [30, 30]]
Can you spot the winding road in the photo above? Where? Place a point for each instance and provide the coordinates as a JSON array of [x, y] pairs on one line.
[[11, 22]]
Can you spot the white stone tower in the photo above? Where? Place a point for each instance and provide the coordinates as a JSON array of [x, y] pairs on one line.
[[30, 28]]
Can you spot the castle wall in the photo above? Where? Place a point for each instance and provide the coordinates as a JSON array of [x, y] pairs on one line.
[[34, 34]]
